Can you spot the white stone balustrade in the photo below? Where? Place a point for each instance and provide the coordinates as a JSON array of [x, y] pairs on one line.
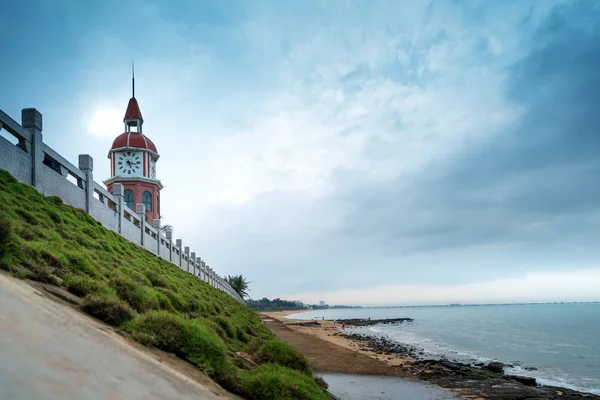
[[33, 162]]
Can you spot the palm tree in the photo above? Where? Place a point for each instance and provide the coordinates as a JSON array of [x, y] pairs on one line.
[[239, 284], [165, 228]]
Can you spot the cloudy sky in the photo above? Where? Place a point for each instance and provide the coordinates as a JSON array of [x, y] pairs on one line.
[[357, 152]]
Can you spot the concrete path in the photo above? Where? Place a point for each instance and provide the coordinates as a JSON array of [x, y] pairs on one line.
[[51, 352]]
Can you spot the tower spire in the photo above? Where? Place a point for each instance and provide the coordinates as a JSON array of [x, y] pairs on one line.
[[132, 79], [133, 115]]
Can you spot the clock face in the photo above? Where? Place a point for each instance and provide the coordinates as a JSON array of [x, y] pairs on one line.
[[153, 169], [129, 163]]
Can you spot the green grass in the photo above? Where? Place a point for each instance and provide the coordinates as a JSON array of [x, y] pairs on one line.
[[270, 381], [277, 352], [157, 303], [109, 309]]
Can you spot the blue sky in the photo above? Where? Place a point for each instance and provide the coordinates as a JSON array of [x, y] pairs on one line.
[[389, 152]]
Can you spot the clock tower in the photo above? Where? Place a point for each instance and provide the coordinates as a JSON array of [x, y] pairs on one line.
[[133, 159]]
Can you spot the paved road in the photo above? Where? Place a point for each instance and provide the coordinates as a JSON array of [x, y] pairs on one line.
[[51, 352]]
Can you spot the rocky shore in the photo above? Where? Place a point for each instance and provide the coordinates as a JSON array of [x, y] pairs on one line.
[[480, 380], [369, 322]]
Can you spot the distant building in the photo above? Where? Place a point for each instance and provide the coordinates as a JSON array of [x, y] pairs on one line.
[[322, 303]]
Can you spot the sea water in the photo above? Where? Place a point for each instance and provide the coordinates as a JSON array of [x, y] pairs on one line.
[[558, 344]]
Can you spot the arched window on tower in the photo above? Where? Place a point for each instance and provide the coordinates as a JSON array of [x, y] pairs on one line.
[[147, 200], [128, 198]]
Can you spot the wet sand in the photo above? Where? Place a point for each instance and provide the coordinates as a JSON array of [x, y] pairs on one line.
[[329, 355], [326, 332]]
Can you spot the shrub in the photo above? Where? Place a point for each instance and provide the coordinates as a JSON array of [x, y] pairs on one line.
[[6, 178], [5, 262], [139, 297], [157, 279], [78, 263], [27, 216], [54, 216], [255, 344], [108, 308], [270, 381], [159, 329], [5, 231], [321, 382], [57, 201], [53, 258], [83, 285], [29, 233], [177, 301], [205, 349], [134, 274], [186, 338], [164, 302], [5, 239], [213, 326], [242, 336], [227, 326], [276, 352]]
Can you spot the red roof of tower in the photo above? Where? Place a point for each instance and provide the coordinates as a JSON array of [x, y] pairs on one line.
[[133, 139], [133, 110]]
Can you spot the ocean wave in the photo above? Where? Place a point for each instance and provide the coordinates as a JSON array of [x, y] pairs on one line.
[[429, 348], [561, 342], [582, 355], [552, 377]]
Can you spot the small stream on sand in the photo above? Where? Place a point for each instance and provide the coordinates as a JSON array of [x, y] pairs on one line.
[[360, 387]]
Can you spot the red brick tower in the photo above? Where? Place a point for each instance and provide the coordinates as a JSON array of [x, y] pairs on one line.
[[133, 159]]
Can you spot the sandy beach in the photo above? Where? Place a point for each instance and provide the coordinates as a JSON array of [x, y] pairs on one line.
[[326, 331], [331, 354]]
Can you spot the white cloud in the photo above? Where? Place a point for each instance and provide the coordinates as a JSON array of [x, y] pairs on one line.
[[105, 120], [580, 285], [255, 128]]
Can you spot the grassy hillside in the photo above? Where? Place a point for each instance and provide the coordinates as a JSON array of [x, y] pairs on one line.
[[157, 303]]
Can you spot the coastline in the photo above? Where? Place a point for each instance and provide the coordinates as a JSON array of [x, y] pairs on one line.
[[332, 355], [279, 315], [464, 380], [329, 331], [351, 375]]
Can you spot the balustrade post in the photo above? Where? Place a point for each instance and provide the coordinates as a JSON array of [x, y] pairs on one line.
[[199, 263], [193, 260], [187, 256], [118, 193], [179, 243], [169, 235], [86, 165], [140, 210], [31, 119], [156, 225]]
